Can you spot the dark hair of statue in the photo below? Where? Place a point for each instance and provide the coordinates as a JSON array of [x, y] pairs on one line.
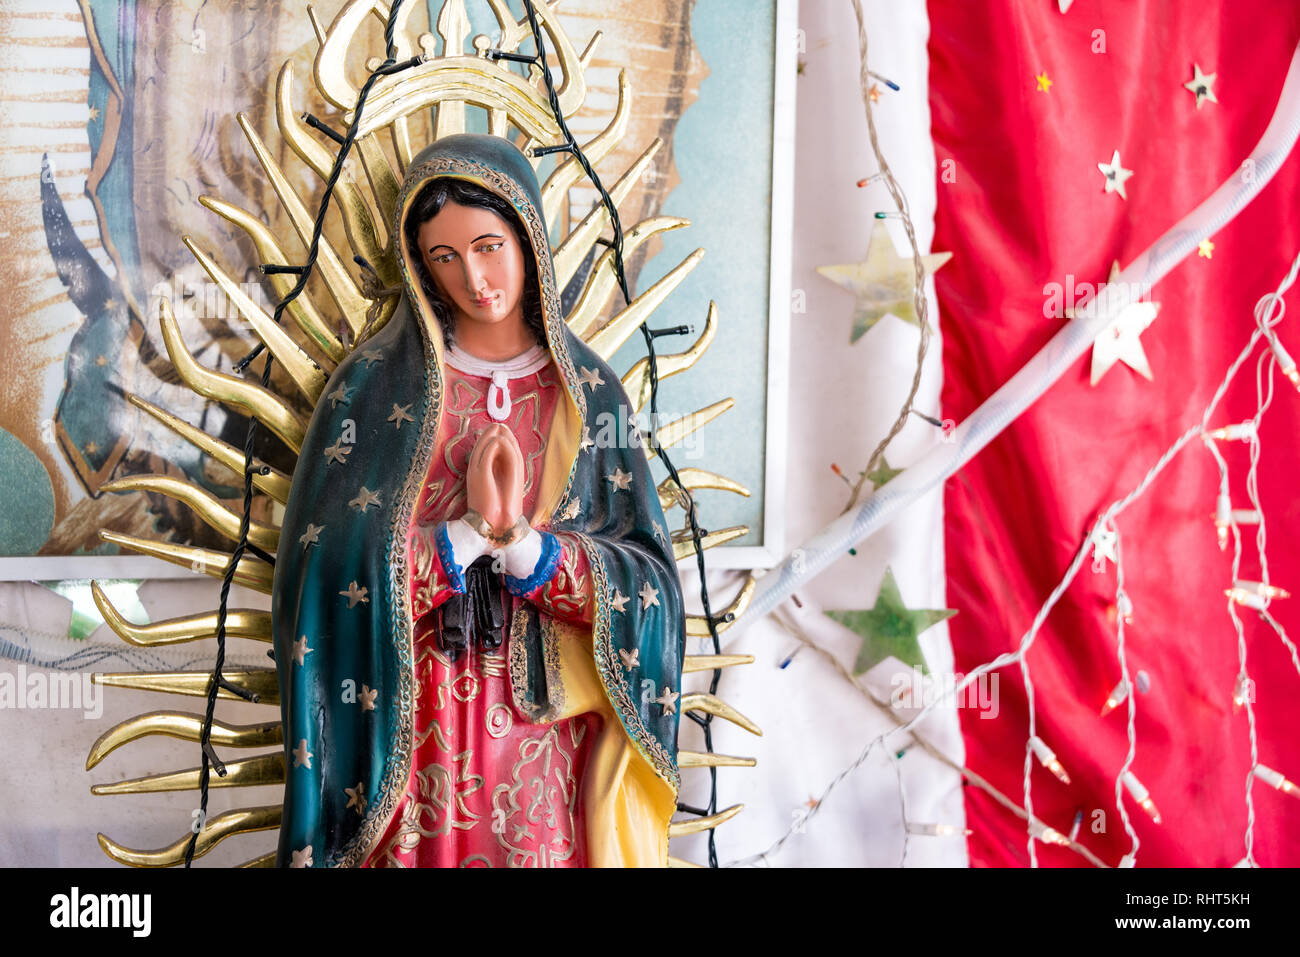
[[428, 202]]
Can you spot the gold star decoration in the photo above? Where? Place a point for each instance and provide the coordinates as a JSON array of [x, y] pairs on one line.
[[620, 479], [1119, 341], [882, 473], [571, 510], [93, 114], [1202, 86], [311, 536], [631, 659], [591, 377], [302, 857], [1205, 248], [367, 698], [649, 595], [91, 448], [619, 600], [110, 304], [1115, 176], [371, 356], [342, 394], [357, 798], [400, 413], [338, 452], [883, 283], [365, 498], [355, 594], [890, 629], [668, 700], [1044, 82], [586, 442], [101, 360], [301, 756], [300, 649], [660, 534], [874, 93]]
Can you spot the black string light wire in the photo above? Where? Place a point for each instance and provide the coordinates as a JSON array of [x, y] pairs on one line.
[[570, 146], [303, 272]]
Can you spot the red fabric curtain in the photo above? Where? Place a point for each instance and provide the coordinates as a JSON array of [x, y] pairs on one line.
[[1021, 205]]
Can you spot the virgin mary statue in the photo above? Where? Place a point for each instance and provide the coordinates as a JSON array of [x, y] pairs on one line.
[[478, 622]]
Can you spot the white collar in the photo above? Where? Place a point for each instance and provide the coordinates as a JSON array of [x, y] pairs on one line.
[[524, 364]]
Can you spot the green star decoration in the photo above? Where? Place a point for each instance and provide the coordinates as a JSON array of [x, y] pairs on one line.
[[890, 629], [882, 473]]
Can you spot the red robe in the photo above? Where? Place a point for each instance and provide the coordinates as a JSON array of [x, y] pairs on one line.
[[487, 788]]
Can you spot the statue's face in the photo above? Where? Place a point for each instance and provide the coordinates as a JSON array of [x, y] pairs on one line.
[[475, 260]]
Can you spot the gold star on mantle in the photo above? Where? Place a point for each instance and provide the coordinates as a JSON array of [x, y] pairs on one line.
[[338, 452], [890, 628], [1202, 86], [619, 600], [587, 441], [371, 356], [571, 510], [591, 377], [620, 479], [631, 659], [302, 857], [1119, 341], [367, 697], [357, 797], [300, 649], [301, 756], [883, 283], [649, 595], [311, 536], [342, 394]]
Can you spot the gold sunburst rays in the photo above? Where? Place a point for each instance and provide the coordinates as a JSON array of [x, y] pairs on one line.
[[694, 663], [636, 382], [711, 704], [274, 483], [684, 544], [609, 337], [603, 279], [566, 174], [302, 310], [187, 727], [244, 821], [698, 824], [693, 478], [251, 571], [240, 622], [698, 626], [302, 368], [248, 397], [261, 682], [570, 253], [200, 501], [262, 769]]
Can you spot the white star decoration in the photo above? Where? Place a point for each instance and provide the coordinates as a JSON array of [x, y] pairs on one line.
[[367, 698], [338, 452], [1202, 86], [669, 701], [302, 857], [586, 442], [301, 756], [342, 394], [365, 498], [591, 377], [1119, 341], [619, 600], [371, 356], [1115, 174], [620, 479], [571, 510], [630, 660], [300, 649], [400, 412], [311, 536], [355, 594], [649, 595]]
